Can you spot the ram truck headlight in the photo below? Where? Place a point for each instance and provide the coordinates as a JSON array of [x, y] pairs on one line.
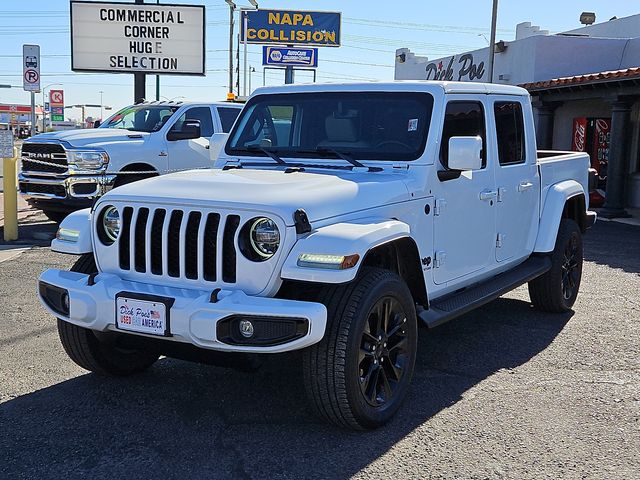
[[259, 239], [109, 225], [87, 159]]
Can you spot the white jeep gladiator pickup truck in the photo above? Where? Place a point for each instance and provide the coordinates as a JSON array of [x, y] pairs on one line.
[[338, 218], [67, 171]]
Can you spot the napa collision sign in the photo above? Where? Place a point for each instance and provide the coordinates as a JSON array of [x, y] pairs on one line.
[[137, 38], [292, 27]]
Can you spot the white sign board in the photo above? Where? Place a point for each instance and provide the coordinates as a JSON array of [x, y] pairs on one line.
[[132, 38], [6, 144], [31, 68]]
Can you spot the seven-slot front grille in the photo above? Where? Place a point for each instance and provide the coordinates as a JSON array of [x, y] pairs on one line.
[[43, 152], [178, 244]]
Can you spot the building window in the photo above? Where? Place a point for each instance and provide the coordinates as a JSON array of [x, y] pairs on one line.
[[463, 119], [510, 132]]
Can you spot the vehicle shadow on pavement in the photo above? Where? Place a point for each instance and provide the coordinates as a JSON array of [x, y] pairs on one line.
[[614, 244], [183, 420]]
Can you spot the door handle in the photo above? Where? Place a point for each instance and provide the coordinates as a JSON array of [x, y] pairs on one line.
[[488, 195], [523, 186]]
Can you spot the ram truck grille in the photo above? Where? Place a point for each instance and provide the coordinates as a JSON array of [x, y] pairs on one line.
[[33, 153], [179, 244]]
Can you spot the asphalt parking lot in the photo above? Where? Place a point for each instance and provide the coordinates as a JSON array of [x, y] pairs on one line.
[[504, 392]]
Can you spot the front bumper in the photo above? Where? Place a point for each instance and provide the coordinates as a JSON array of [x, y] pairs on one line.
[[194, 318], [73, 187]]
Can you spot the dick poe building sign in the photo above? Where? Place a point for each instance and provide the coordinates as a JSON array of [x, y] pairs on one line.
[[137, 38], [292, 27]]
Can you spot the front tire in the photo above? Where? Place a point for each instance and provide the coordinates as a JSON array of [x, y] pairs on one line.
[[97, 353], [358, 375], [557, 290]]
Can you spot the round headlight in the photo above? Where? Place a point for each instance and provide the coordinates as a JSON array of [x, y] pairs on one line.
[[110, 224], [263, 238]]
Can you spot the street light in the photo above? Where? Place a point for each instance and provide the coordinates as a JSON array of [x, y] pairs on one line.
[[245, 20]]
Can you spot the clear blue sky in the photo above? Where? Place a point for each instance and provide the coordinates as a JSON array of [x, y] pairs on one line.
[[371, 31]]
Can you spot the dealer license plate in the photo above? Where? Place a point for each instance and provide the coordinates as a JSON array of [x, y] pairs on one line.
[[142, 316]]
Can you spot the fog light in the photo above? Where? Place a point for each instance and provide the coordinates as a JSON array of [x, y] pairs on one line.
[[246, 328], [65, 301]]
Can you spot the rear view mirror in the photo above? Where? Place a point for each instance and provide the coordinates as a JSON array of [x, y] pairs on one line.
[[465, 153], [216, 144], [189, 131]]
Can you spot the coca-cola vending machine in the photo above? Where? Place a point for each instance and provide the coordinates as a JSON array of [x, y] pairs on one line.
[[593, 135]]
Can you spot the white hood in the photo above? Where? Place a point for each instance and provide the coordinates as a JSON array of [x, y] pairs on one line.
[[93, 137], [322, 194]]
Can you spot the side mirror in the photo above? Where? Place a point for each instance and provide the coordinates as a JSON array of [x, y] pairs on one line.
[[216, 144], [96, 124], [189, 131], [465, 153]]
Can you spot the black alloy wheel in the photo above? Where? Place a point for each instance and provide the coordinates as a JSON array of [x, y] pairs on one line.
[[383, 351]]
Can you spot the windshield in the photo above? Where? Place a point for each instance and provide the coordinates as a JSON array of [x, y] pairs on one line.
[[140, 118], [362, 125]]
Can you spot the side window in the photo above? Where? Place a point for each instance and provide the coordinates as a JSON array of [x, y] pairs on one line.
[[227, 117], [510, 132], [463, 119], [203, 114]]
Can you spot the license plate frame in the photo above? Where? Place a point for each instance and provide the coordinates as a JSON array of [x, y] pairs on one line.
[[138, 298]]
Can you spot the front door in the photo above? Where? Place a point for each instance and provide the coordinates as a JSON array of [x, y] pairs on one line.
[[464, 213], [517, 181], [187, 154]]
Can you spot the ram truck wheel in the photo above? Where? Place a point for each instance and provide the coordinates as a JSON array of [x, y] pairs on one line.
[[556, 291], [100, 355], [359, 373]]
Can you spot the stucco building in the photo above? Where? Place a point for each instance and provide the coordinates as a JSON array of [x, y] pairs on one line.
[[585, 85]]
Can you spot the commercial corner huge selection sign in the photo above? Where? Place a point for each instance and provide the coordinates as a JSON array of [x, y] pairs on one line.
[[138, 38]]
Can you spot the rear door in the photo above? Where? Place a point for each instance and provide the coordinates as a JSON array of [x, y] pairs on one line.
[[464, 213], [517, 180], [186, 154], [228, 117]]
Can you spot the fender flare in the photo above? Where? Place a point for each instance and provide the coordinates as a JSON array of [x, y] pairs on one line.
[[553, 207], [80, 222], [345, 238]]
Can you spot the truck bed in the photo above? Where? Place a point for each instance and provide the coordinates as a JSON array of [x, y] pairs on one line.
[[557, 166]]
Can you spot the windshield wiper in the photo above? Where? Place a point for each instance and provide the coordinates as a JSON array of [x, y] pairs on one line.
[[269, 153], [342, 155], [345, 157]]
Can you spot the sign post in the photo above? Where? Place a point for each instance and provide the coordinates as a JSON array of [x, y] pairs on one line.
[[291, 27], [137, 38], [10, 197], [31, 77]]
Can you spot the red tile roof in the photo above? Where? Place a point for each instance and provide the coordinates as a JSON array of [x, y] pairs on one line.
[[600, 77]]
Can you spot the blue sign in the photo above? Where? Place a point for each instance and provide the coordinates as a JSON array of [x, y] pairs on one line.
[[292, 27], [295, 57]]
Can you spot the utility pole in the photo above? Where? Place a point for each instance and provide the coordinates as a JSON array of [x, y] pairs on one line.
[[139, 87], [232, 7], [100, 92], [492, 43]]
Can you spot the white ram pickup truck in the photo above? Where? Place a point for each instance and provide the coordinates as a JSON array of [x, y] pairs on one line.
[[66, 171], [338, 218]]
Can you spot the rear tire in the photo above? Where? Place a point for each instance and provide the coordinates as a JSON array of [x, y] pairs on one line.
[[358, 375], [55, 216], [556, 291], [94, 352]]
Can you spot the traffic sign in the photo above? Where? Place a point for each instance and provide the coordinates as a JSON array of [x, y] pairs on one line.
[[31, 68]]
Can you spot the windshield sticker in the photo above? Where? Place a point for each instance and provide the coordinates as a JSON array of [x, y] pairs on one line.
[[413, 125]]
